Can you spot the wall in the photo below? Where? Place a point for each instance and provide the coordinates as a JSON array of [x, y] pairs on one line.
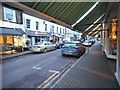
[[1, 11]]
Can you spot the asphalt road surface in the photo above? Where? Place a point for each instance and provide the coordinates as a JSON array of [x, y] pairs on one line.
[[35, 70]]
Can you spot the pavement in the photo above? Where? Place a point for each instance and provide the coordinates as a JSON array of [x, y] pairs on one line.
[[92, 70], [7, 56]]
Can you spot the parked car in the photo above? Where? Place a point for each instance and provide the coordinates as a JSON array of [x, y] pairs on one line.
[[58, 44], [87, 43], [73, 48], [93, 41], [42, 47]]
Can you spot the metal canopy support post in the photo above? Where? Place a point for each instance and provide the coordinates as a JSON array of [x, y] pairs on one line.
[[117, 74]]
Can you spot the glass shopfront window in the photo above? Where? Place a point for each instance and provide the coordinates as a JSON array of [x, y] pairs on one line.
[[113, 36]]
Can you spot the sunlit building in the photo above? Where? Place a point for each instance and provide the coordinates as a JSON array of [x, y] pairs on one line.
[[11, 27]]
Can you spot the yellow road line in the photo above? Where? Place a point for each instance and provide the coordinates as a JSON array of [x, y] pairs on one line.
[[41, 85], [51, 81]]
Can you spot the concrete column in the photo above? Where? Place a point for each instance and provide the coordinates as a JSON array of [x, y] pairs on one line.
[[118, 48]]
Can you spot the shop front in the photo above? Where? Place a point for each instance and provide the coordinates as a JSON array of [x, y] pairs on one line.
[[111, 36], [10, 38], [37, 36]]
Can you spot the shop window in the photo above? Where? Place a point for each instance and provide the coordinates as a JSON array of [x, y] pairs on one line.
[[9, 14], [1, 40], [28, 23], [9, 40], [37, 39], [37, 25], [113, 36]]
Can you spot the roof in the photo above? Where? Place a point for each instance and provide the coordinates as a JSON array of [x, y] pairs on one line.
[[68, 13]]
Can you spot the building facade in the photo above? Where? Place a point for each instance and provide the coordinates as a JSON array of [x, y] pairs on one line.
[[11, 27], [38, 29], [110, 35]]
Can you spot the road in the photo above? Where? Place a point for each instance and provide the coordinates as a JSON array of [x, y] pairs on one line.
[[35, 70]]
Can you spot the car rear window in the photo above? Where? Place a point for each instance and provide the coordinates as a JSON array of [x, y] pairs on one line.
[[70, 44], [38, 43], [74, 44]]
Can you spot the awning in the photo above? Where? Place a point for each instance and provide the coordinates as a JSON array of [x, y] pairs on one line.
[[70, 12], [20, 30], [38, 35], [9, 32]]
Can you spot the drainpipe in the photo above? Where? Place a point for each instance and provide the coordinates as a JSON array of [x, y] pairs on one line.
[[117, 74]]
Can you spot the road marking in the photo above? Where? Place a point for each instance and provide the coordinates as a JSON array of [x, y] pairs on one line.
[[54, 71], [41, 85], [50, 79], [19, 60], [37, 67]]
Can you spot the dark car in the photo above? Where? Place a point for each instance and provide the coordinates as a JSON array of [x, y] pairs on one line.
[[58, 44], [73, 48]]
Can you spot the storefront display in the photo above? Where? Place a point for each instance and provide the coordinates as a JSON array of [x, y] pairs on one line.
[[113, 36]]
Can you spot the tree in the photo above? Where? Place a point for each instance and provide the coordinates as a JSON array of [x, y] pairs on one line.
[[28, 42]]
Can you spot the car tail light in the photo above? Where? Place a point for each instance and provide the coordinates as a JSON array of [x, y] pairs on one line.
[[38, 47], [63, 47], [76, 47]]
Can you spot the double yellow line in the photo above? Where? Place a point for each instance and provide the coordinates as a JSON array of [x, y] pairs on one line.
[[49, 80]]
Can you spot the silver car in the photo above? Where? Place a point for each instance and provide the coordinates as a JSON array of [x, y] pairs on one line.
[[42, 47]]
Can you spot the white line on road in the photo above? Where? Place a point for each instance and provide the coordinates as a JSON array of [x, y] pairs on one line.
[[54, 71], [19, 60], [37, 67]]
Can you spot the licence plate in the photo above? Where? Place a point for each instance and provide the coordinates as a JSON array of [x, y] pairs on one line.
[[34, 47], [68, 53]]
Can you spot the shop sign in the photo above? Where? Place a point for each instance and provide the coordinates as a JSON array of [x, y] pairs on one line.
[[6, 24]]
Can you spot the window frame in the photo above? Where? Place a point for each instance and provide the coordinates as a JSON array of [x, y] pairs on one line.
[[9, 12], [37, 25], [28, 25]]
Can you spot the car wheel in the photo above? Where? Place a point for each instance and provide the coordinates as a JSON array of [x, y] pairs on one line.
[[63, 55], [45, 50], [55, 48], [77, 56]]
